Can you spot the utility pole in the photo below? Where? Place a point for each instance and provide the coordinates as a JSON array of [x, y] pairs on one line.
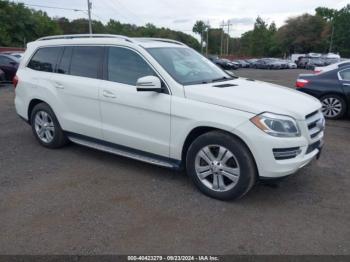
[[208, 27], [89, 14], [224, 47], [228, 36], [222, 38], [331, 42]]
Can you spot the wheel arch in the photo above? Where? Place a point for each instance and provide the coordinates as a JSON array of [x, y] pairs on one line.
[[200, 130], [31, 106]]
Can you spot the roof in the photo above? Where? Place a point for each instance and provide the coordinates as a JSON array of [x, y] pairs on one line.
[[107, 39]]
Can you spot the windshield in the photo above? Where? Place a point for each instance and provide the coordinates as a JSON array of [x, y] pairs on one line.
[[186, 66]]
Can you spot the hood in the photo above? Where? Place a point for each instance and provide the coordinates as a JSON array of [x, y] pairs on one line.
[[254, 97]]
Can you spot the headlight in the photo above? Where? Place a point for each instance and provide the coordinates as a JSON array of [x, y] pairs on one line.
[[276, 125]]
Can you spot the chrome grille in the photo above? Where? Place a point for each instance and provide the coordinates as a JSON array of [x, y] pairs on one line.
[[315, 123]]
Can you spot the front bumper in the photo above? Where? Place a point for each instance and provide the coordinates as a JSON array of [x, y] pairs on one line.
[[262, 145]]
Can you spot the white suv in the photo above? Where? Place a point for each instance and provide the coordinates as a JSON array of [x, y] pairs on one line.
[[161, 102]]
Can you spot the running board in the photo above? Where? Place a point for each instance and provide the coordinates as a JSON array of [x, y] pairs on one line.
[[124, 153]]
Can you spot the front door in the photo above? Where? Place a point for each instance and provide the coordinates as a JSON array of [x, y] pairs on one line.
[[138, 120]]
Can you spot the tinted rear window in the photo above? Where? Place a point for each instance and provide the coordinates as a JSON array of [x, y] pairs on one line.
[[45, 59], [63, 66], [86, 61]]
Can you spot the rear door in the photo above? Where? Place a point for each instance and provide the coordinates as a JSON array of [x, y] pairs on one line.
[[344, 78], [77, 81]]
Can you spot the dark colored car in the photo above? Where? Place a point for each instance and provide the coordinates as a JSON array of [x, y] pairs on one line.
[[270, 63], [310, 62], [226, 64], [251, 62], [9, 65], [302, 61], [315, 61], [2, 76], [332, 88], [241, 63], [261, 64]]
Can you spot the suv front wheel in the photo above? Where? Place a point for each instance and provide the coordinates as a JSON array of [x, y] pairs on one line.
[[221, 166], [46, 128]]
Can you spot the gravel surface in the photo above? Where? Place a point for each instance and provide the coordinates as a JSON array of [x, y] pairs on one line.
[[81, 201]]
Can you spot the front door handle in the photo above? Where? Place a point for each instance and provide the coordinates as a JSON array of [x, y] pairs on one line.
[[346, 84], [108, 94], [59, 86]]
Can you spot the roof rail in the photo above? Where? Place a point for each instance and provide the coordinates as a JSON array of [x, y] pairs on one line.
[[160, 40], [84, 36]]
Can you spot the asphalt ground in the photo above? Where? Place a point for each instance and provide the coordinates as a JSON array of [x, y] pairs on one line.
[[78, 200]]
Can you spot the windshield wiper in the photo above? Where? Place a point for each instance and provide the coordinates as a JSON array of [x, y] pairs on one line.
[[224, 78]]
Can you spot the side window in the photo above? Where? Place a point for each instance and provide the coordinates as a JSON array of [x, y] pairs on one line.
[[345, 74], [126, 66], [45, 59], [86, 61], [63, 66]]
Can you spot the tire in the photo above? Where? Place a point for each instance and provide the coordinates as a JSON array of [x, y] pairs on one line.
[[46, 127], [241, 165], [333, 106]]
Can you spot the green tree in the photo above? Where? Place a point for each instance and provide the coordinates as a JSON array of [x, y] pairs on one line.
[[303, 34], [338, 28], [19, 24], [199, 28]]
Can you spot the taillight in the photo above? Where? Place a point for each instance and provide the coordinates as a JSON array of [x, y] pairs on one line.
[[300, 83], [15, 81]]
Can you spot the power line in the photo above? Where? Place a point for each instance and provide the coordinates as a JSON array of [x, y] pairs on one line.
[[112, 5], [127, 9], [55, 7]]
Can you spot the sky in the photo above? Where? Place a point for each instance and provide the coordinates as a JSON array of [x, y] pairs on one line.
[[182, 14]]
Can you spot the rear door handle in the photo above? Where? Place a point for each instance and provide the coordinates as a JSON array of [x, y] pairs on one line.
[[346, 84], [108, 94]]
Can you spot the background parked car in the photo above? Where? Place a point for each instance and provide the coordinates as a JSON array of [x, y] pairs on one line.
[[331, 87], [283, 63], [241, 63], [314, 62], [9, 64], [270, 63], [226, 64], [291, 64], [302, 61], [310, 62], [251, 62], [261, 64], [16, 54]]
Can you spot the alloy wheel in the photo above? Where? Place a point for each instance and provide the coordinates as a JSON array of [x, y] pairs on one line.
[[44, 126], [217, 168], [331, 107]]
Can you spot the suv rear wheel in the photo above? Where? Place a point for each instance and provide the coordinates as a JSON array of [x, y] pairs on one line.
[[46, 128], [221, 166]]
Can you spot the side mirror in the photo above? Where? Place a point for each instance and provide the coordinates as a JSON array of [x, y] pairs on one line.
[[148, 84]]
